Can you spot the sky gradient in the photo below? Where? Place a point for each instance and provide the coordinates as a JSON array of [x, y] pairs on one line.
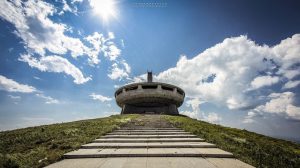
[[238, 62]]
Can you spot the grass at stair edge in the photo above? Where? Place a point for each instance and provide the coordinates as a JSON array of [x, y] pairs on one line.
[[42, 145], [255, 149]]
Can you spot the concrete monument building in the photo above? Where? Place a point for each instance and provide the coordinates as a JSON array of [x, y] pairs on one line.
[[149, 97]]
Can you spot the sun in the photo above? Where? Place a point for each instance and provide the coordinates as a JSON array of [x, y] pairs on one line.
[[105, 8]]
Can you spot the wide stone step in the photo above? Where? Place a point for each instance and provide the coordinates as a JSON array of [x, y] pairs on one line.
[[150, 145], [142, 140], [150, 152], [151, 162], [145, 129], [149, 136], [134, 130], [147, 133]]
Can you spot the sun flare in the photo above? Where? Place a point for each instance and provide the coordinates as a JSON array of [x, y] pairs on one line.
[[105, 8]]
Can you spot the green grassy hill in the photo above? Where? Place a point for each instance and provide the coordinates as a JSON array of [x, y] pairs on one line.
[[42, 145], [252, 148]]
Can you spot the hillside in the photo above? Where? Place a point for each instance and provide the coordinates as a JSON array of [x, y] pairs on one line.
[[42, 145], [252, 148]]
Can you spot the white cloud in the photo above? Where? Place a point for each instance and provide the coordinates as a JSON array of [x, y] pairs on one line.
[[213, 118], [117, 86], [100, 97], [194, 103], [140, 78], [290, 74], [37, 78], [279, 103], [97, 40], [68, 8], [262, 81], [76, 1], [291, 84], [248, 118], [227, 73], [236, 103], [113, 52], [14, 97], [196, 113], [102, 44], [192, 114], [40, 34], [10, 85], [119, 71], [48, 99], [55, 64]]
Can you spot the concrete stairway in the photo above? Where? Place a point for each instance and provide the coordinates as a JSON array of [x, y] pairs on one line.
[[152, 147]]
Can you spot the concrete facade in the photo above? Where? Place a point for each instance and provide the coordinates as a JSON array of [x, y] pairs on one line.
[[149, 97]]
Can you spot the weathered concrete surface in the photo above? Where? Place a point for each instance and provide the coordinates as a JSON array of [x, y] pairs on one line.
[[150, 145], [150, 136], [149, 142], [136, 140], [148, 130], [154, 97], [150, 152], [148, 133], [153, 162]]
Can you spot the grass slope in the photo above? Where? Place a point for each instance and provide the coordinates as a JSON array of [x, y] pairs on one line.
[[42, 145], [252, 148]]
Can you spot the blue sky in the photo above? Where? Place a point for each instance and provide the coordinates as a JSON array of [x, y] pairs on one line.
[[238, 61]]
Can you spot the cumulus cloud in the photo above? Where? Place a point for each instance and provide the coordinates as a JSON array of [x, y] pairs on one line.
[[196, 113], [100, 97], [279, 103], [249, 118], [291, 84], [119, 70], [194, 104], [102, 44], [192, 114], [262, 81], [68, 8], [10, 85], [40, 34], [55, 64], [213, 118], [48, 99], [237, 73]]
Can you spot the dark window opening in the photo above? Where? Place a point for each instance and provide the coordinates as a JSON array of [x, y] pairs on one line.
[[166, 88], [131, 88], [149, 87]]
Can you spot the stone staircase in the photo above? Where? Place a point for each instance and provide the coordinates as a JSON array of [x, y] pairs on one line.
[[149, 147]]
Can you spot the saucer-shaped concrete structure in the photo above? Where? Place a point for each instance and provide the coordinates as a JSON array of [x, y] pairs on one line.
[[149, 97]]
